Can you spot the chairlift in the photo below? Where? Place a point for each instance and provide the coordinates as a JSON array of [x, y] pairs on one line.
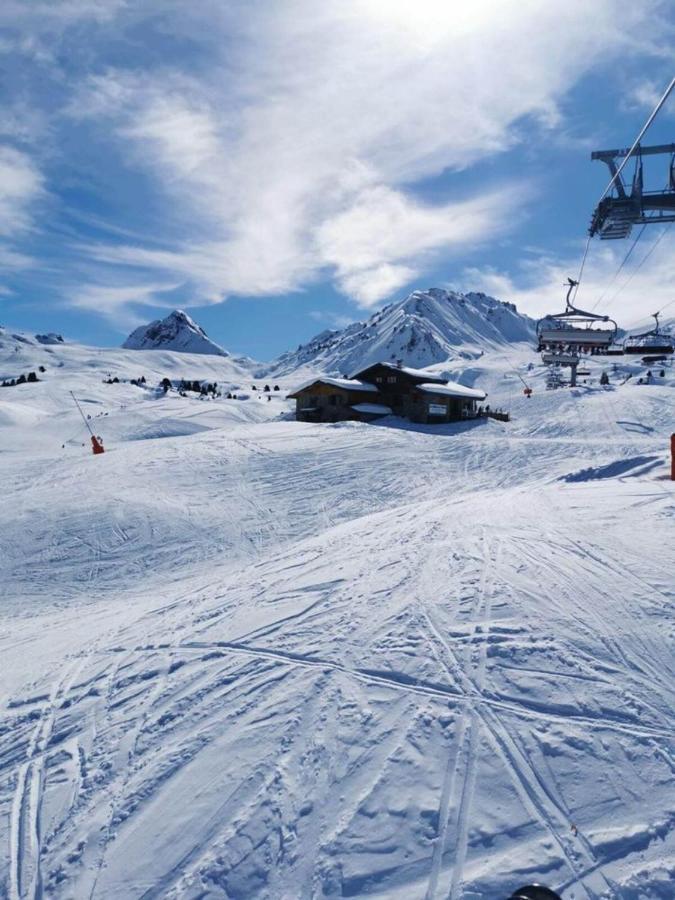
[[554, 379], [654, 342], [575, 330]]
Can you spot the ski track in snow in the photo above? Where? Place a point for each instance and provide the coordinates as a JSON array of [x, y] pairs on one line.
[[266, 659]]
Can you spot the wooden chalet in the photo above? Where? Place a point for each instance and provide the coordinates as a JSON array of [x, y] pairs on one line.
[[386, 389]]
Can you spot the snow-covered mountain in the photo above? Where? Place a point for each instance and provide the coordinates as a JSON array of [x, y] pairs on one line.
[[176, 332], [425, 328]]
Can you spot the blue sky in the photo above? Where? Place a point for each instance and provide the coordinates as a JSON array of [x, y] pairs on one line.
[[280, 168]]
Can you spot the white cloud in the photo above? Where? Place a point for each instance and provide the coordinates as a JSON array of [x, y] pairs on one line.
[[384, 225], [285, 141], [21, 185], [113, 301], [43, 15], [331, 319], [295, 151], [644, 95]]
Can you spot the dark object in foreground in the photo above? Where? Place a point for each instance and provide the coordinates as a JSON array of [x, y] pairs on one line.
[[534, 892]]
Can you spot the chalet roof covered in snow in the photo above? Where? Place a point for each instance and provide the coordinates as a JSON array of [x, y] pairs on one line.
[[348, 384], [452, 389], [408, 370]]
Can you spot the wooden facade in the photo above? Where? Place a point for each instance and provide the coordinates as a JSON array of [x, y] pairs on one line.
[[384, 389], [329, 401]]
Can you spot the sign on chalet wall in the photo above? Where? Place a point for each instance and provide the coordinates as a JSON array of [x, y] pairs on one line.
[[437, 409]]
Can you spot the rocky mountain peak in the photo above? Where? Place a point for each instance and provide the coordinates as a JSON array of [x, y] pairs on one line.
[[178, 332], [424, 328]]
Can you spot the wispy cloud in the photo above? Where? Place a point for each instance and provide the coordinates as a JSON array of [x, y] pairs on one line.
[[644, 94], [331, 319], [21, 189], [21, 186], [116, 302], [294, 153], [280, 144], [383, 240]]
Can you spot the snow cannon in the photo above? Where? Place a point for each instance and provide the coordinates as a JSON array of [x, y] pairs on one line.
[[96, 439]]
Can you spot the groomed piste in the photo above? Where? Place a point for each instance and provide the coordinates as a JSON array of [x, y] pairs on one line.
[[244, 656]]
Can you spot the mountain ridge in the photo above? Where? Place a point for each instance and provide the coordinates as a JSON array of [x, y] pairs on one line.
[[425, 328], [178, 332]]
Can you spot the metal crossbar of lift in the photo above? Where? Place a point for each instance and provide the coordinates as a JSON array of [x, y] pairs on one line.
[[616, 214]]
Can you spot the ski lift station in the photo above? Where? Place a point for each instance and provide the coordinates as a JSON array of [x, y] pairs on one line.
[[386, 389]]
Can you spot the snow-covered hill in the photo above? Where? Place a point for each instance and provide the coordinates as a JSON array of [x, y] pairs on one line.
[[426, 327], [244, 657], [20, 351], [177, 332], [42, 413]]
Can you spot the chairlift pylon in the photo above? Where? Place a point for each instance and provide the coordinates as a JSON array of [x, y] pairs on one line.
[[574, 330], [654, 341]]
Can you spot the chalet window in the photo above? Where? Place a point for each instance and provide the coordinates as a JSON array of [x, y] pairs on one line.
[[391, 379], [335, 400], [379, 379]]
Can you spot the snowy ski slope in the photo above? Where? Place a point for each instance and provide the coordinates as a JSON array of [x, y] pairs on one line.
[[244, 657]]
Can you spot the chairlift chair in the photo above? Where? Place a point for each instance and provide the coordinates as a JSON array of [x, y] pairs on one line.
[[575, 329], [654, 342]]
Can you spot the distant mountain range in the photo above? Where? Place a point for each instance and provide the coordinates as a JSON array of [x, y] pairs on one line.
[[425, 328]]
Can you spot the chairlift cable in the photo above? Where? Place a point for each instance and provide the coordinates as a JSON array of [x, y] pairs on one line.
[[618, 271], [637, 268], [620, 169], [581, 269], [623, 263], [637, 140], [658, 313]]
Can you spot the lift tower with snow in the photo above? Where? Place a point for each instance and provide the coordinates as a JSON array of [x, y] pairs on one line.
[[616, 213]]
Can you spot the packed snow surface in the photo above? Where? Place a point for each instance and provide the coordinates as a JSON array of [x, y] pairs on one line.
[[176, 332], [246, 657], [378, 409]]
